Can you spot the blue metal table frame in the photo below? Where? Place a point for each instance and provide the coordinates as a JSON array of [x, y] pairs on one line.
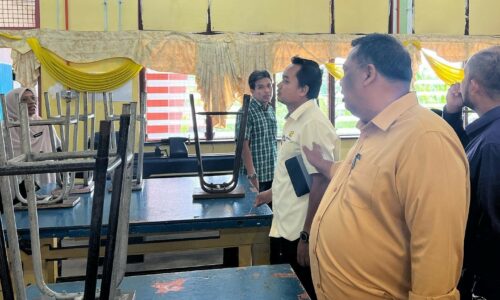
[[164, 206], [171, 167], [260, 283]]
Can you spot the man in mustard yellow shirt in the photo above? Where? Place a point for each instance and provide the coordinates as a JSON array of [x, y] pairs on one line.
[[391, 223]]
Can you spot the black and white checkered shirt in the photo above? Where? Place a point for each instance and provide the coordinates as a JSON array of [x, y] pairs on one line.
[[261, 133]]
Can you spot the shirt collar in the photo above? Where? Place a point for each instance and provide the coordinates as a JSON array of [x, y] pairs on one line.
[[259, 105], [392, 112], [484, 120], [295, 115]]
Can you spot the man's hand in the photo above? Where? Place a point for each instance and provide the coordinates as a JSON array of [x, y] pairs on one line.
[[454, 100], [263, 198], [303, 253], [255, 183], [315, 158]]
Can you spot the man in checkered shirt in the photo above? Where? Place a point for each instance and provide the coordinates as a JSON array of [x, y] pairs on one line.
[[259, 147]]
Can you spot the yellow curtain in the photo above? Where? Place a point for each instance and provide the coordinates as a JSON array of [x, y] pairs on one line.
[[335, 70], [9, 36], [444, 70], [83, 81], [191, 54]]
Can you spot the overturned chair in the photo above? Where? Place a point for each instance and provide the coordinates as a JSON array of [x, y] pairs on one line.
[[68, 121], [102, 162], [137, 178], [229, 188]]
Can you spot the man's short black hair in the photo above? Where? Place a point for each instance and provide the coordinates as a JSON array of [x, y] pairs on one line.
[[309, 74], [256, 76], [386, 53], [484, 67]]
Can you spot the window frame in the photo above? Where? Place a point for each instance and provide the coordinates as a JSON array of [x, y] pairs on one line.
[[37, 19]]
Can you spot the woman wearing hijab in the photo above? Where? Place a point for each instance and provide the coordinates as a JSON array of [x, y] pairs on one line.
[[39, 135]]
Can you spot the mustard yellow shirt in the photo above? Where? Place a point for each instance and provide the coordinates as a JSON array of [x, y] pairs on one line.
[[392, 221]]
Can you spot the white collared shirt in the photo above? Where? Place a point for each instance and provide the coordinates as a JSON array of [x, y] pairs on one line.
[[307, 124]]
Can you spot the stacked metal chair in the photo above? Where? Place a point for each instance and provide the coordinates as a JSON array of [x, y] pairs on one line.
[[101, 162]]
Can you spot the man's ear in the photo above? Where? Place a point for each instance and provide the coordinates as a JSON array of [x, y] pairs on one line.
[[370, 73], [475, 87], [304, 90]]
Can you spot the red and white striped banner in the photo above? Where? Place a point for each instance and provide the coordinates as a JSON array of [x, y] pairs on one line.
[[165, 105]]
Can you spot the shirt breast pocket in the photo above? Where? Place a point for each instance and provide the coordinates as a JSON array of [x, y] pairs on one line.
[[361, 184]]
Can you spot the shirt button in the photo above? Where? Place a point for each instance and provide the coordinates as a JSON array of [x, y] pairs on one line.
[[318, 285], [334, 189]]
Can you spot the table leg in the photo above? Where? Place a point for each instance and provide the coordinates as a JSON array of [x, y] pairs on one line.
[[29, 274], [245, 255], [260, 254], [50, 269]]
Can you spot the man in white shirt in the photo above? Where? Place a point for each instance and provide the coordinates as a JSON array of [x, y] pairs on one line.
[[305, 124]]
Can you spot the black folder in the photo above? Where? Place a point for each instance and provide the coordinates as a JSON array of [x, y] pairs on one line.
[[300, 178]]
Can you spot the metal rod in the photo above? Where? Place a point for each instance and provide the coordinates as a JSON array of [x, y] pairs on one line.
[[53, 134], [108, 114], [114, 164], [217, 113], [67, 122], [97, 211], [120, 259], [32, 210], [47, 104], [199, 162], [85, 119], [25, 144], [113, 118], [25, 130], [142, 137], [51, 128], [51, 121], [59, 113], [114, 210], [241, 137], [68, 178], [7, 290], [77, 118], [63, 155], [23, 168], [92, 124], [92, 130], [39, 167], [12, 237], [65, 145], [10, 219], [35, 244], [8, 142]]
